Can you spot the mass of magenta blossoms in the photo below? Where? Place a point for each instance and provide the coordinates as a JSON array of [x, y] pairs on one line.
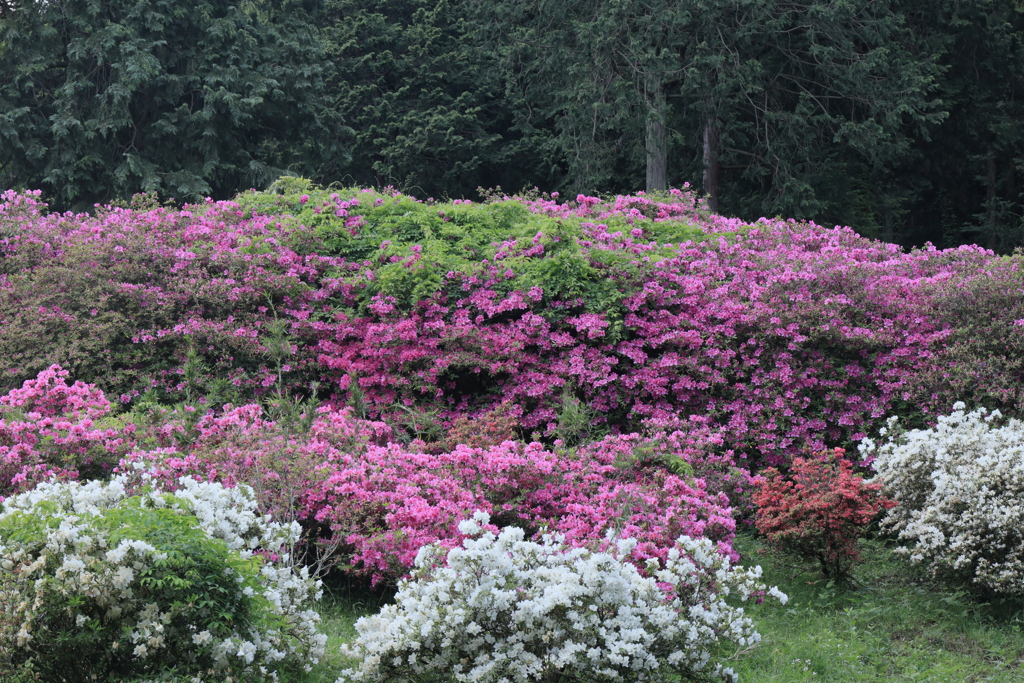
[[345, 479], [615, 367], [776, 337]]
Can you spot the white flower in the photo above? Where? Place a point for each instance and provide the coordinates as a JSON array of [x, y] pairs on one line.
[[958, 487], [779, 595], [506, 609]]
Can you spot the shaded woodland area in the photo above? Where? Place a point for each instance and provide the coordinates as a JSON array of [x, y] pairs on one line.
[[899, 118]]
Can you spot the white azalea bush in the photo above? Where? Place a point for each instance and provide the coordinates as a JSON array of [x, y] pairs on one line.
[[103, 585], [960, 493], [502, 609]]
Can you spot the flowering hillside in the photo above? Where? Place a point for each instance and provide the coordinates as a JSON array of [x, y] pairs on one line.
[[593, 380], [776, 336]]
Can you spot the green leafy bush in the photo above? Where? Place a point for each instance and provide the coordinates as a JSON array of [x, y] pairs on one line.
[[103, 585]]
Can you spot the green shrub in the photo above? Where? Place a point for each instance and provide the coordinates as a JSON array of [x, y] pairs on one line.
[[102, 585]]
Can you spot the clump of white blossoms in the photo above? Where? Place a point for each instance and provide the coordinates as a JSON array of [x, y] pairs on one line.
[[99, 582], [502, 609], [960, 493]]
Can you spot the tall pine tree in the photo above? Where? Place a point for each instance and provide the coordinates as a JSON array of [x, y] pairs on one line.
[[767, 103]]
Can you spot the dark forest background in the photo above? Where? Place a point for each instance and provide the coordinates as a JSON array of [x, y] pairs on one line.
[[900, 118]]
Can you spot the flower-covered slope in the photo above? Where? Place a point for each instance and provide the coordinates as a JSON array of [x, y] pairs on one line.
[[780, 335]]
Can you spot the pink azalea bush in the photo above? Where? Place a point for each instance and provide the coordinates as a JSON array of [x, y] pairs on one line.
[[376, 503], [370, 501], [783, 336], [241, 445], [389, 502], [52, 430], [790, 335]]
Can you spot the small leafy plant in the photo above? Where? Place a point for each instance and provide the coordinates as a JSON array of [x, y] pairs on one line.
[[819, 511], [489, 429]]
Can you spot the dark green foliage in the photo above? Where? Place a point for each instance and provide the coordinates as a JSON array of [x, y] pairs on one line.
[[100, 100], [961, 177], [897, 117], [779, 107], [426, 105]]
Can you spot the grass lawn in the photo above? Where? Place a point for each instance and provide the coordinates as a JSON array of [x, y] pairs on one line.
[[895, 626]]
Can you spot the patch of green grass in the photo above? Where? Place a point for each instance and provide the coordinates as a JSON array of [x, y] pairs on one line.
[[342, 605], [894, 625]]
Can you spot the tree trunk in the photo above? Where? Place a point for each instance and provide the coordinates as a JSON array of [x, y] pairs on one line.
[[657, 145], [1011, 183], [990, 199], [711, 163]]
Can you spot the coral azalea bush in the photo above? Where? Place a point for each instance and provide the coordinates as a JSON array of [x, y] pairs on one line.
[[819, 510]]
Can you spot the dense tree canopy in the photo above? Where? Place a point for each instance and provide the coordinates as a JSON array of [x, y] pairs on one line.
[[964, 173], [427, 108], [897, 117], [100, 100], [779, 97]]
